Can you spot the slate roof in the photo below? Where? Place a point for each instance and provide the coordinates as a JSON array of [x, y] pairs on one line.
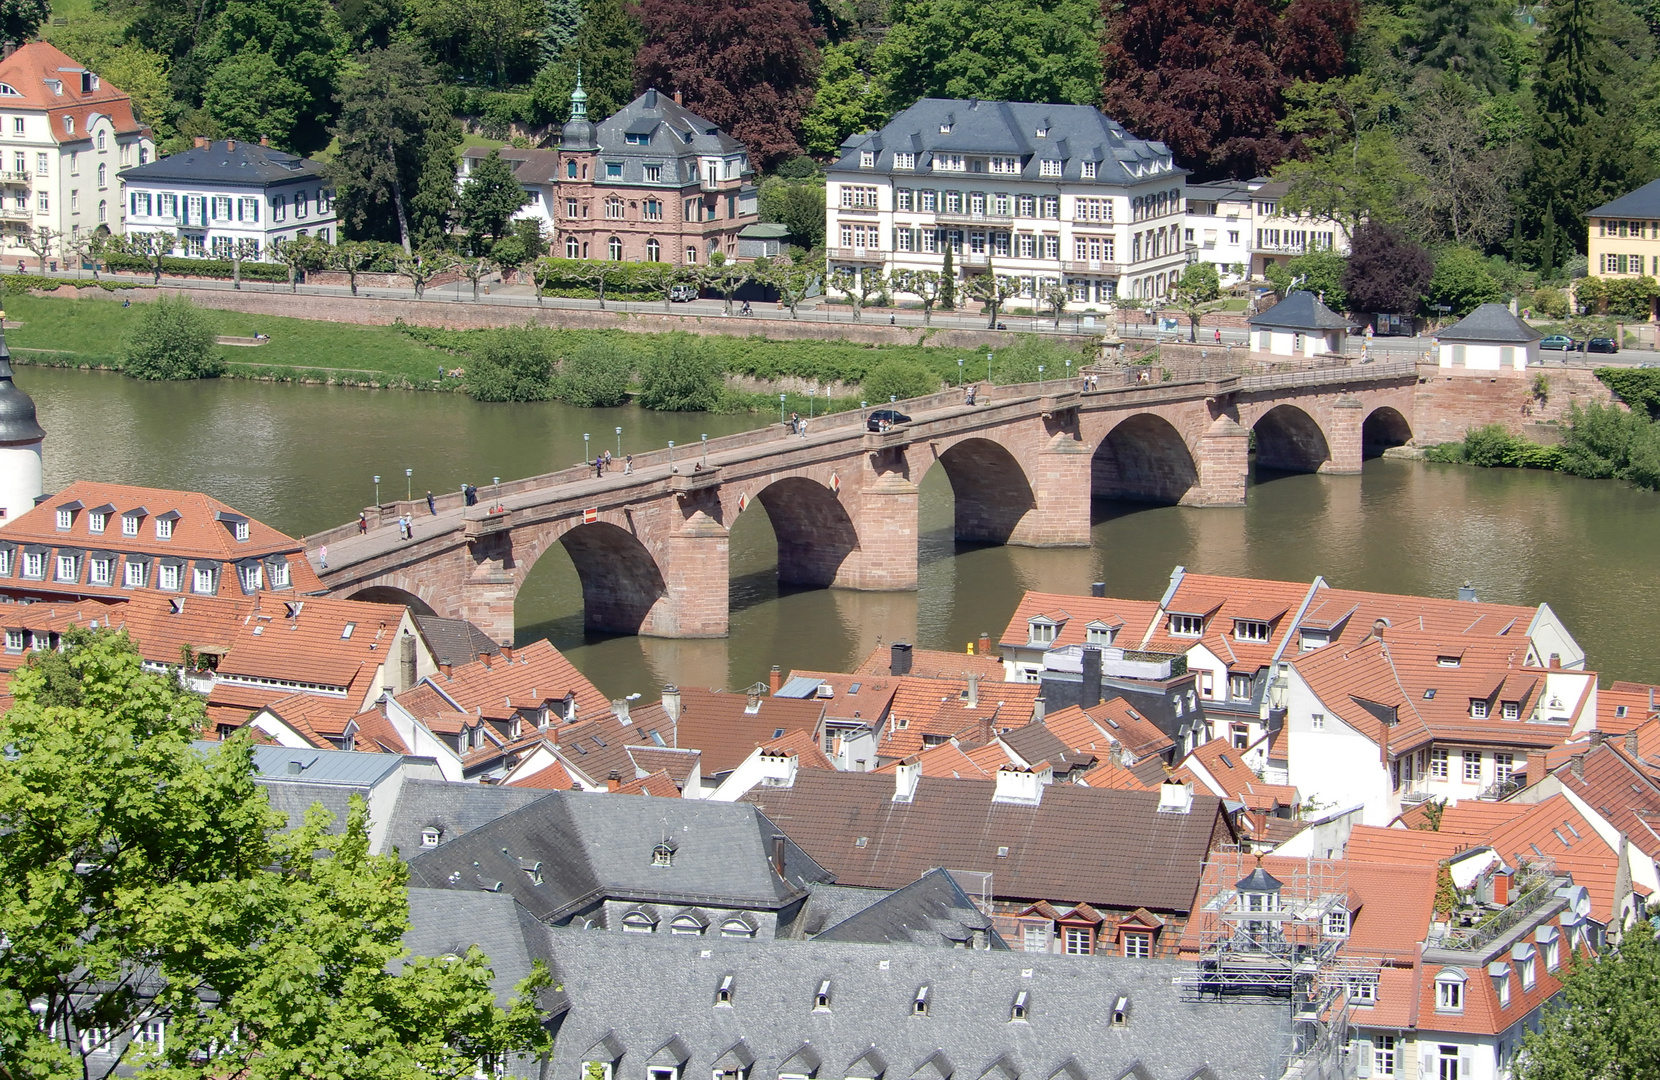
[[1073, 135], [233, 162], [454, 641], [1107, 848], [591, 846], [1301, 310], [446, 923], [1642, 203], [608, 977], [455, 809], [1491, 323], [670, 132], [932, 910]]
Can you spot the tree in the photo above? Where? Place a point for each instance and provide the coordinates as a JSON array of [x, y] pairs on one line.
[[948, 281], [596, 375], [848, 99], [421, 267], [725, 277], [1055, 298], [663, 278], [174, 339], [181, 890], [925, 285], [1321, 273], [896, 378], [496, 42], [269, 68], [152, 247], [351, 257], [244, 248], [42, 241], [509, 254], [679, 376], [596, 272], [249, 96], [796, 205], [794, 279], [21, 19], [1206, 76], [1461, 282], [475, 268], [300, 254], [1196, 292], [1387, 273], [388, 108], [992, 290], [561, 19], [1606, 1022], [1465, 38], [432, 207], [995, 50], [1353, 170], [1632, 298], [607, 41], [489, 198], [511, 364], [1466, 173], [858, 286], [746, 65]]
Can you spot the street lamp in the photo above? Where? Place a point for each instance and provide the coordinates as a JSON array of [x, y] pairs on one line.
[[585, 457], [408, 485], [961, 374], [1069, 368], [497, 482], [1040, 373], [671, 455], [377, 491], [811, 390], [705, 439], [780, 408], [988, 367], [619, 436]]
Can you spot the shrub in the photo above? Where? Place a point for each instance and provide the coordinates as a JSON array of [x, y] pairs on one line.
[[679, 375], [173, 340], [511, 365], [1637, 387], [174, 266], [1019, 362], [1490, 447], [1551, 303], [595, 376], [899, 378]]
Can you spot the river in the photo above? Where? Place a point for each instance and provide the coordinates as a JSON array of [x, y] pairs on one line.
[[303, 458]]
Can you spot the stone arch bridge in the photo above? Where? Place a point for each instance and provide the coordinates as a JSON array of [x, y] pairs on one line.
[[651, 548]]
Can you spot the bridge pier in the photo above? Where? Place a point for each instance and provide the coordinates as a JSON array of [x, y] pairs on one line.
[[1223, 463], [887, 555], [1061, 488], [1344, 436], [696, 581]]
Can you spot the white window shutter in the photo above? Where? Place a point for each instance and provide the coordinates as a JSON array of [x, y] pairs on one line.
[[1428, 1070], [1466, 1068], [1363, 1057]]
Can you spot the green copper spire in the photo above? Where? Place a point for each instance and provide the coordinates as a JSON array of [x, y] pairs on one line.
[[579, 98]]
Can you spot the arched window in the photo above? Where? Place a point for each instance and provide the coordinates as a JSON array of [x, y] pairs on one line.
[[736, 928], [100, 140], [570, 169], [103, 176], [571, 247], [638, 922], [614, 248], [686, 926], [103, 210], [653, 250]]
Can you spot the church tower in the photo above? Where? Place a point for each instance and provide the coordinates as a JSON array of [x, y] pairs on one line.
[[20, 439]]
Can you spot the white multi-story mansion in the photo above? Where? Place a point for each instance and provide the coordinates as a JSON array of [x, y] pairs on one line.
[[1239, 223], [64, 136], [1044, 194], [216, 193]]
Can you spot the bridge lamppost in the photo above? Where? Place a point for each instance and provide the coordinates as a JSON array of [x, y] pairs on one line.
[[408, 485], [811, 390], [619, 436], [988, 367], [377, 491], [780, 408], [705, 439], [961, 374], [497, 481], [586, 457], [671, 455], [1040, 373], [1069, 369]]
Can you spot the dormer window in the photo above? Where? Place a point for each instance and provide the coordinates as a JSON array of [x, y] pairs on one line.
[[638, 922], [1448, 661], [723, 993], [430, 836], [1337, 923], [1312, 640], [1096, 634], [1089, 170], [1017, 1011], [240, 530], [736, 928], [945, 127], [1478, 708], [663, 854], [1449, 991], [686, 926], [129, 524], [919, 1004], [164, 528], [1499, 971], [1510, 710], [1049, 167], [95, 521], [69, 125], [904, 161], [1042, 632], [821, 1000], [1250, 630], [867, 159], [1043, 132], [1121, 1011], [1187, 626], [66, 518]]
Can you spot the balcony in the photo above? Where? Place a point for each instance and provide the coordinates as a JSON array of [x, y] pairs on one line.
[[973, 260], [12, 214], [1108, 269], [16, 178], [946, 217], [857, 211], [857, 255]]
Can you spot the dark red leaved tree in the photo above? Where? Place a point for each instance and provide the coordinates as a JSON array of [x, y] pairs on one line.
[[1386, 271], [747, 65], [1205, 76]]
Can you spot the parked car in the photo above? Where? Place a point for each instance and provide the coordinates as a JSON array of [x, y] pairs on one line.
[[881, 418], [681, 294], [1559, 341], [1602, 344]]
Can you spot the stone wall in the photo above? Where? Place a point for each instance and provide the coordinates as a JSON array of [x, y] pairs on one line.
[[1451, 401]]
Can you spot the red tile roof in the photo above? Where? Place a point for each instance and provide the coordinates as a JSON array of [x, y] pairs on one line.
[[1129, 619], [28, 70], [1622, 706], [552, 778], [946, 759], [802, 746], [931, 663], [940, 708], [535, 675], [658, 784], [723, 727], [1222, 601], [677, 763]]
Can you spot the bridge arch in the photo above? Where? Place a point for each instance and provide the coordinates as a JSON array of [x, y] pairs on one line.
[[391, 594], [1290, 440], [990, 488], [1383, 428], [1143, 458], [815, 535], [621, 581]]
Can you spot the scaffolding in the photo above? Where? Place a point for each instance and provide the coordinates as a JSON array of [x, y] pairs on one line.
[[1280, 938]]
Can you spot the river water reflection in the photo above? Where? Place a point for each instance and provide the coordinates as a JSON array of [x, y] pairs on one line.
[[303, 458]]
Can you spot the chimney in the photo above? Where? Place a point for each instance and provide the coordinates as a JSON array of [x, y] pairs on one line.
[[984, 648], [507, 651], [1501, 889], [1017, 785], [900, 659], [974, 689], [295, 768], [1378, 627], [651, 98], [1576, 765], [1556, 660], [1092, 679], [1175, 798], [1597, 737], [1467, 593], [1535, 766], [671, 702], [1040, 709], [677, 99], [1631, 744], [484, 658], [778, 854], [613, 781], [752, 704], [905, 776], [1098, 589], [775, 680], [406, 662], [230, 144], [201, 142], [620, 707], [446, 669], [263, 141]]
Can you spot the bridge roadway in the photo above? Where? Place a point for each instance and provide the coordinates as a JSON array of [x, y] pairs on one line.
[[650, 547]]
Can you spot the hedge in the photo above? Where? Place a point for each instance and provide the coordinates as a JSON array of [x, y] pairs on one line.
[[1637, 387], [215, 268], [22, 284], [626, 280]]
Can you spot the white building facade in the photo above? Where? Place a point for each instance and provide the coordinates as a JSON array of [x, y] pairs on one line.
[[1044, 194], [217, 193], [64, 137]]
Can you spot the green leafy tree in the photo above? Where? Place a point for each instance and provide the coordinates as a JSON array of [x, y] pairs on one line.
[[512, 364], [798, 205], [432, 208], [995, 50], [352, 257], [899, 379], [1196, 292], [250, 96], [20, 19], [848, 100], [561, 19], [282, 56], [421, 267], [1462, 282], [475, 268], [489, 198], [1322, 274], [606, 44], [992, 290], [679, 376], [1055, 297], [489, 41], [174, 339], [725, 276], [858, 286], [925, 285], [595, 375], [1353, 169], [509, 253], [1468, 38], [948, 280], [300, 254], [1606, 1022], [388, 110], [1632, 298], [795, 279]]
